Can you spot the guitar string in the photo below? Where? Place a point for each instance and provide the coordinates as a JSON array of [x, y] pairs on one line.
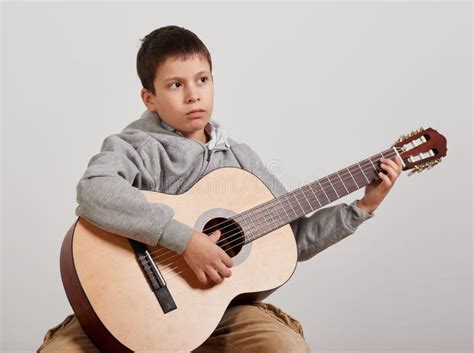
[[188, 269], [261, 208], [174, 262], [228, 237], [326, 183], [167, 251]]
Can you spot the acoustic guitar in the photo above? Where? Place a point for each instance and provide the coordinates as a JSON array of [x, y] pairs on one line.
[[129, 296]]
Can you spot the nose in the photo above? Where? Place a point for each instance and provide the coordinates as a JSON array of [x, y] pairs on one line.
[[192, 95]]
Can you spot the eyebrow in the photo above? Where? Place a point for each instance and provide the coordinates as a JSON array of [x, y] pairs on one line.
[[179, 78]]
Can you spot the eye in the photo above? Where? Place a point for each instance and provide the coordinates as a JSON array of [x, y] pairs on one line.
[[177, 83]]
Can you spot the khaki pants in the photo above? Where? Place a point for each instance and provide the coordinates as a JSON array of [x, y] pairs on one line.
[[257, 328]]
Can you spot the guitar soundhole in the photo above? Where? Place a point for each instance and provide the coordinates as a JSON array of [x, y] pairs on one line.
[[232, 236]]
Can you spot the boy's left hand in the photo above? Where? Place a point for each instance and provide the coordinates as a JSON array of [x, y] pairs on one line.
[[376, 191]]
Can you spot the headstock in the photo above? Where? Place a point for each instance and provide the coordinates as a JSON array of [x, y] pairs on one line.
[[421, 149]]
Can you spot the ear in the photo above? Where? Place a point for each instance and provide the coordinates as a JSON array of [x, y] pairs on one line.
[[147, 98]]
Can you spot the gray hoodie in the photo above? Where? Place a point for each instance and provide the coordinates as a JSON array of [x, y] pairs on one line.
[[148, 156]]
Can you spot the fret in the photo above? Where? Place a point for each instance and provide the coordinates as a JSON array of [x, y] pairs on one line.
[[284, 209], [358, 164], [257, 225], [266, 214], [392, 158], [309, 203], [333, 187], [323, 191], [302, 209], [355, 182], [316, 196], [382, 154], [289, 204], [373, 165], [359, 176], [243, 224], [329, 191], [262, 215], [278, 213], [252, 224], [394, 149], [349, 181], [339, 184], [270, 224], [342, 182], [375, 170]]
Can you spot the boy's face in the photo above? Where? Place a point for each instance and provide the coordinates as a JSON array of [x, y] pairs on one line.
[[181, 86]]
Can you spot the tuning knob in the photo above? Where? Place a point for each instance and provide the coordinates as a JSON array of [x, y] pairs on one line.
[[410, 134]]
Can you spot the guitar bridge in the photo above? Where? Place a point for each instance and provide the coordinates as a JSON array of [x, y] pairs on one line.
[[154, 276]]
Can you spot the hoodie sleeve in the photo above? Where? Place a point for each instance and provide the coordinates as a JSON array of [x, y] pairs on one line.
[[325, 227], [322, 228], [109, 196]]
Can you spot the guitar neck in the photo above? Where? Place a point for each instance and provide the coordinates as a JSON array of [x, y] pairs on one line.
[[273, 214]]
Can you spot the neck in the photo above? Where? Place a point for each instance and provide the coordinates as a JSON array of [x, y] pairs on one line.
[[196, 135], [288, 207]]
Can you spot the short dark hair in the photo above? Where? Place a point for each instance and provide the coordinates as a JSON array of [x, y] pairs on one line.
[[165, 42]]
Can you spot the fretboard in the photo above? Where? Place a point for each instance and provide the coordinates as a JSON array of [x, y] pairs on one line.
[[273, 214]]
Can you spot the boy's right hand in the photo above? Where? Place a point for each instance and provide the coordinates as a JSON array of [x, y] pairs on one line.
[[206, 258]]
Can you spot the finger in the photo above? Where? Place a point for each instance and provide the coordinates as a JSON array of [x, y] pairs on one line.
[[214, 275], [392, 164], [224, 271], [397, 165], [215, 235], [227, 260], [386, 180], [201, 276], [392, 173]]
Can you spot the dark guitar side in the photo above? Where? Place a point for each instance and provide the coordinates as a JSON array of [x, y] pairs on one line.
[[88, 319]]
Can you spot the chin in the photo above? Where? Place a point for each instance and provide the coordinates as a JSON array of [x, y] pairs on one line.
[[198, 122]]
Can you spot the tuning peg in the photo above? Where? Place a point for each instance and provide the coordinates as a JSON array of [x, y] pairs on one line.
[[410, 134], [425, 166], [401, 138], [431, 165], [415, 132], [416, 169], [413, 171]]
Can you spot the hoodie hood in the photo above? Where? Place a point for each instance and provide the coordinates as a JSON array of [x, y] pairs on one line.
[[152, 122]]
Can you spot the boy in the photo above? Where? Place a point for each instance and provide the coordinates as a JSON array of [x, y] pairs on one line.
[[168, 150]]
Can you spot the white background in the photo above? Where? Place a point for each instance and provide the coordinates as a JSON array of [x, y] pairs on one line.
[[312, 87]]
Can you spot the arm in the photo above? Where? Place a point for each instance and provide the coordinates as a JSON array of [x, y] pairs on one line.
[[325, 227], [329, 225], [109, 196], [321, 229]]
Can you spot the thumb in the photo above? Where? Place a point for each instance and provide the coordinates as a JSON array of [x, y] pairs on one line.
[[215, 235]]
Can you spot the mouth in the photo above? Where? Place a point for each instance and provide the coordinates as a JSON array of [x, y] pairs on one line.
[[196, 113]]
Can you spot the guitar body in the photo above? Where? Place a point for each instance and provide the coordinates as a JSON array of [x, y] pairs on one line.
[[113, 300], [114, 292]]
